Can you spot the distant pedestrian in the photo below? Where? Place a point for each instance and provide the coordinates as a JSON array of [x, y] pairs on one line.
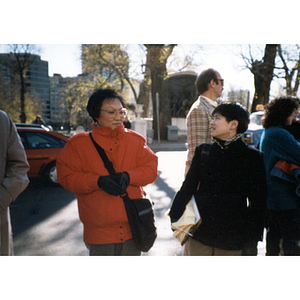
[[39, 120], [127, 123], [283, 203], [13, 177], [81, 171], [232, 174]]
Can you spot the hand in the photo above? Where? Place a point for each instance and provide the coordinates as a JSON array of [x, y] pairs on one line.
[[125, 179], [110, 186], [122, 179]]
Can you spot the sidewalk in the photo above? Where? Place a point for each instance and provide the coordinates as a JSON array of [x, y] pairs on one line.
[[179, 145]]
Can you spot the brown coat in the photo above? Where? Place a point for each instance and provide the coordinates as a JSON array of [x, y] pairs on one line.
[[13, 176]]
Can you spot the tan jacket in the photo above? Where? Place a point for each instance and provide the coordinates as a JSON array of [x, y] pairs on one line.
[[198, 130], [13, 177]]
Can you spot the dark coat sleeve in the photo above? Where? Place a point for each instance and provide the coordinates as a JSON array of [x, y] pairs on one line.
[[188, 188], [257, 197]]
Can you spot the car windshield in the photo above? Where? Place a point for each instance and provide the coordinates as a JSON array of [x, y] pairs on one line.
[[256, 119], [40, 140]]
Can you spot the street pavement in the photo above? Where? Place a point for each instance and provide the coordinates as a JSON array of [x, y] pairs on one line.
[[45, 222], [59, 232], [162, 191]]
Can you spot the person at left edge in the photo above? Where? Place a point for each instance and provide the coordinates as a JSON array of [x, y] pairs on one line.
[[81, 171], [13, 177]]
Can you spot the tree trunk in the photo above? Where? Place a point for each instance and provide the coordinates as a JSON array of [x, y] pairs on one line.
[[22, 98], [263, 75], [144, 93], [157, 56]]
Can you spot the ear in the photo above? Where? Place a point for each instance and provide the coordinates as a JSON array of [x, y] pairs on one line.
[[234, 124], [212, 83]]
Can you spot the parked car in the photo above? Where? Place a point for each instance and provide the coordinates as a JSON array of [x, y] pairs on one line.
[[42, 147], [255, 129]]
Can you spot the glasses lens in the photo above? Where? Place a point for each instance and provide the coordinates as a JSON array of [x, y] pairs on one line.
[[123, 112], [113, 113]]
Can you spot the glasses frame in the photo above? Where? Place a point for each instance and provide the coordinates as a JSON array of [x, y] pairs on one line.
[[221, 80], [122, 112]]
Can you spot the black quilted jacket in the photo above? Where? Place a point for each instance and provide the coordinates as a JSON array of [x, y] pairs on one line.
[[231, 175]]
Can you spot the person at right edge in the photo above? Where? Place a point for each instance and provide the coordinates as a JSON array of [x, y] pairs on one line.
[[232, 173], [283, 203]]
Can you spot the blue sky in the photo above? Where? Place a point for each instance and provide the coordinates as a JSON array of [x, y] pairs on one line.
[[63, 59]]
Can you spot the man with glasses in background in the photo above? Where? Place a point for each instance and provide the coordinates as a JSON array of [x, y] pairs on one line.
[[209, 85]]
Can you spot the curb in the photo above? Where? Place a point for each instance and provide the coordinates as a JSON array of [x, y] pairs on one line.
[[168, 146]]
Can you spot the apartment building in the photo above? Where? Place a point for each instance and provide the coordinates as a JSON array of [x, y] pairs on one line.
[[36, 79]]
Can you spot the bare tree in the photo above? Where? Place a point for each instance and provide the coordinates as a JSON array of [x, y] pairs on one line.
[[290, 58], [9, 99], [111, 59], [157, 56], [178, 61], [263, 73], [19, 62], [145, 90]]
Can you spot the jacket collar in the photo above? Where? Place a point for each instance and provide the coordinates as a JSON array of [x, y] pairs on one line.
[[207, 102], [107, 131], [225, 144]]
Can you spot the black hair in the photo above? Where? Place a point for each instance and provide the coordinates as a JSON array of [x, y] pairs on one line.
[[278, 110], [97, 98], [234, 111], [204, 78]]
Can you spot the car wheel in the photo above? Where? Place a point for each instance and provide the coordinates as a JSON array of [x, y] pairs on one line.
[[50, 174]]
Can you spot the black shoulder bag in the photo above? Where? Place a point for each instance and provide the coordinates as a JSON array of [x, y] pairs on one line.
[[140, 212]]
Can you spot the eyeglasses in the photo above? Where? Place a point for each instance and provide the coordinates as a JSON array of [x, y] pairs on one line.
[[112, 113], [221, 80]]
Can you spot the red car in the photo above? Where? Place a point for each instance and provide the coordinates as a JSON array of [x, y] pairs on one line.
[[42, 148]]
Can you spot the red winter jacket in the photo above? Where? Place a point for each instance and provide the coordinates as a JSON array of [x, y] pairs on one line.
[[79, 167]]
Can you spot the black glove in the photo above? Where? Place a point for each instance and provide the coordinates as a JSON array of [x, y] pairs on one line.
[[110, 186], [125, 179], [122, 179]]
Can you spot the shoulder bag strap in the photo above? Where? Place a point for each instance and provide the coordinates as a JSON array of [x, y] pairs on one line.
[[107, 163], [205, 152]]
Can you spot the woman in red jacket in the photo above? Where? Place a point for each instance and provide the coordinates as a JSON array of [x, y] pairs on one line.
[[81, 171]]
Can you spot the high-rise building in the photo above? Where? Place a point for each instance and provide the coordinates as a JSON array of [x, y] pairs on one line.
[[59, 113], [36, 79]]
